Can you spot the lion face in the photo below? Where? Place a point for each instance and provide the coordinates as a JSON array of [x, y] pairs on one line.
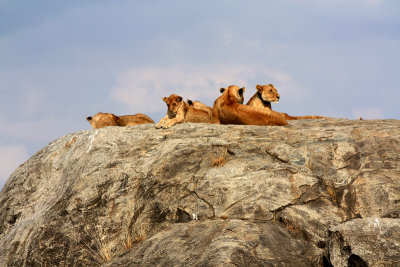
[[174, 102], [268, 93], [234, 92]]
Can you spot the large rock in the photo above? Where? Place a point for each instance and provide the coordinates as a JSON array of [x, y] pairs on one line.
[[208, 195], [366, 242]]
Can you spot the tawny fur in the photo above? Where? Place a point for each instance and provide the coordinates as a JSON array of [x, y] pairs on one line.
[[229, 109], [101, 120], [139, 118], [179, 111], [267, 94], [200, 105]]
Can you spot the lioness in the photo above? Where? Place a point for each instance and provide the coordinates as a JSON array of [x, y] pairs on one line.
[[179, 111], [138, 118], [101, 120], [267, 94], [229, 109], [199, 105]]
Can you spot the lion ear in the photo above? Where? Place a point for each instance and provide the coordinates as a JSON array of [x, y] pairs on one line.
[[271, 85], [179, 99], [259, 87], [164, 99], [190, 102], [241, 91], [89, 118], [222, 90]]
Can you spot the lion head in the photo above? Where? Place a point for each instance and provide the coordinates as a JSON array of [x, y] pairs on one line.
[[268, 93], [174, 103], [235, 93], [101, 120]]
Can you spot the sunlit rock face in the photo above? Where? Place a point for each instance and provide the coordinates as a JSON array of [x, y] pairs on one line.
[[316, 192]]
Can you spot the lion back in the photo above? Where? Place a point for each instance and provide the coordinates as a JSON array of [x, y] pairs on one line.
[[139, 118], [197, 112]]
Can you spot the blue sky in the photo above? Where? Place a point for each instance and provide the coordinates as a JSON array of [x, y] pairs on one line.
[[61, 61]]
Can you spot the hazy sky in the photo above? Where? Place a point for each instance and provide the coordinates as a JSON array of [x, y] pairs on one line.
[[61, 61]]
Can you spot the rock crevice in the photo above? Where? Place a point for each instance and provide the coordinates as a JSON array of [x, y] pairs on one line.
[[313, 193]]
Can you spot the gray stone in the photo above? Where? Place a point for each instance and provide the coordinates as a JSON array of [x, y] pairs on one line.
[[368, 241], [207, 195]]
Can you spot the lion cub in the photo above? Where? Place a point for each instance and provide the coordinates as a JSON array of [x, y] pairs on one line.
[[267, 94], [101, 120], [179, 111], [229, 109], [199, 105]]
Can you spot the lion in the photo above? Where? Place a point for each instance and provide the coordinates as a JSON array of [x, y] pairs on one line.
[[179, 111], [267, 94], [101, 120], [229, 109], [200, 105], [139, 118]]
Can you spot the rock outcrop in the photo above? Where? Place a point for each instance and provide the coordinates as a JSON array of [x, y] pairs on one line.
[[314, 193]]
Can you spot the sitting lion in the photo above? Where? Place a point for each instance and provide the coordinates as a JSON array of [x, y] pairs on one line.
[[179, 111], [101, 120], [265, 95], [229, 109]]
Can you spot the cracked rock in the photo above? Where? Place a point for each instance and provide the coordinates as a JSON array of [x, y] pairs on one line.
[[208, 195]]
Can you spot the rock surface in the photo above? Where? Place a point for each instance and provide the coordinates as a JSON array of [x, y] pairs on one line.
[[314, 193]]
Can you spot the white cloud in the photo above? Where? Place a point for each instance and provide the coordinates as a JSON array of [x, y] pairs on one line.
[[141, 89], [11, 156]]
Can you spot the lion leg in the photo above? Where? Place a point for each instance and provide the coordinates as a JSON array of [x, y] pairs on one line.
[[162, 122], [288, 117], [215, 117], [254, 116], [172, 122], [180, 117]]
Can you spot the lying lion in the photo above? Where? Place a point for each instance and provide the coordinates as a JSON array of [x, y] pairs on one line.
[[229, 109], [179, 111], [199, 105], [101, 120], [265, 95]]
